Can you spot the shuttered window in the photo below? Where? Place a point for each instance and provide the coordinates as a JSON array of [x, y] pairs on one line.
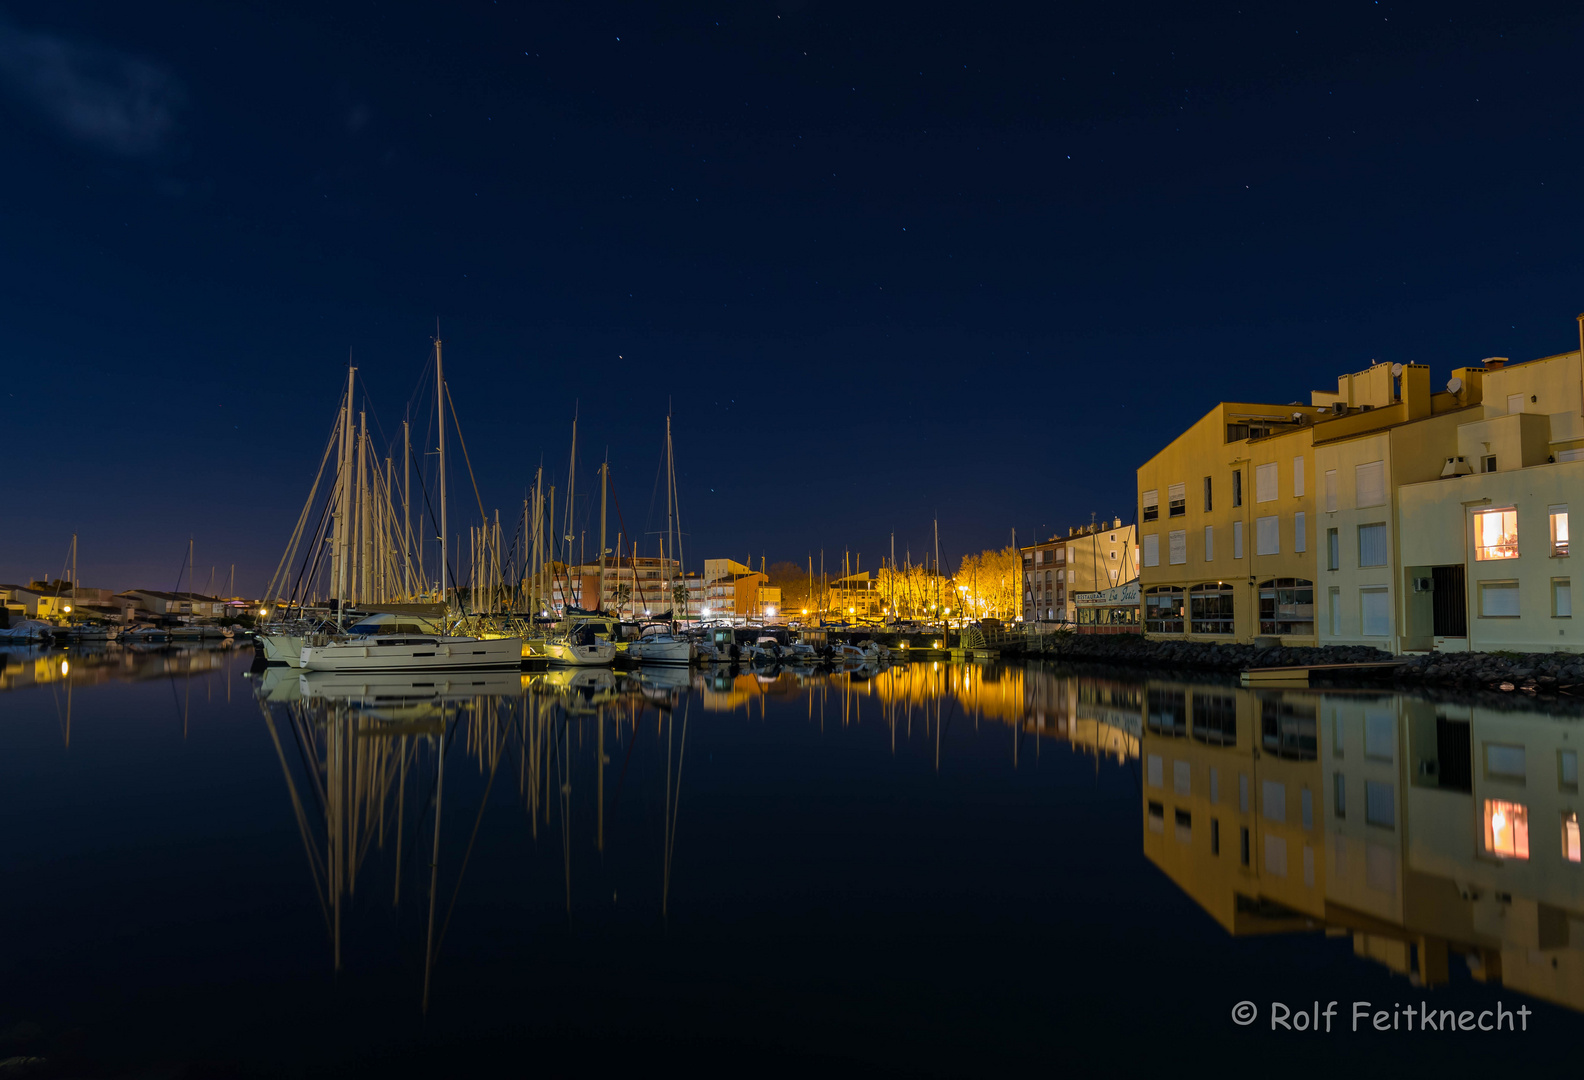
[[1177, 500], [1372, 545], [1300, 531], [1237, 539], [1267, 535], [1151, 549], [1330, 491], [1265, 482], [1298, 477], [1151, 504], [1369, 484], [1177, 546], [1375, 612], [1209, 544]]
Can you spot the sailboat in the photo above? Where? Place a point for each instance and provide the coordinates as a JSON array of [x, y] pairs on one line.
[[668, 647], [392, 642]]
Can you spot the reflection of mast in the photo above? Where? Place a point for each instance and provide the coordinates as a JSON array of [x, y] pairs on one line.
[[434, 859], [673, 805]]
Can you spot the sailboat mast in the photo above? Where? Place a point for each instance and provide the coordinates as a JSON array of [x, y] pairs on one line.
[[407, 584], [670, 513], [445, 572], [343, 496], [566, 521], [604, 484], [363, 537]]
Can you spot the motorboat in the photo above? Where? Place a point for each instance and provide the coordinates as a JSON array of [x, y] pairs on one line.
[[592, 653], [93, 632], [145, 634], [387, 642], [662, 649], [198, 632]]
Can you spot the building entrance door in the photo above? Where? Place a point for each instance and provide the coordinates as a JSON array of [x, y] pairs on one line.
[[1449, 599]]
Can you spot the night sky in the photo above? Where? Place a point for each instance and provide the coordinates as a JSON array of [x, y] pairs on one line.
[[881, 263]]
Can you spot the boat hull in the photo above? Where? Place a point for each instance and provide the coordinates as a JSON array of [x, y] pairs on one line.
[[661, 652], [599, 654], [443, 654], [282, 649]]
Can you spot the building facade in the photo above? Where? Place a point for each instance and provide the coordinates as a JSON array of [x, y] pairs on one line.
[[1225, 516], [1090, 558]]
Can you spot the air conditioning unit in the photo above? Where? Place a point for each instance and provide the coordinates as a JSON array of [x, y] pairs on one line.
[[1339, 407]]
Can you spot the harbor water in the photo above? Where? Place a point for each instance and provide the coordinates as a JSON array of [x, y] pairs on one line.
[[942, 869]]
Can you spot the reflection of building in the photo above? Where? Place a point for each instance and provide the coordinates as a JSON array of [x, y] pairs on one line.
[[1429, 831], [1090, 558], [1486, 549]]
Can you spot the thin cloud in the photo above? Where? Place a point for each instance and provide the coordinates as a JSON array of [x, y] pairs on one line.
[[96, 96]]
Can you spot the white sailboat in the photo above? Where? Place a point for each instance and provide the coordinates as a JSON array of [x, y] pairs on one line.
[[662, 649], [388, 642]]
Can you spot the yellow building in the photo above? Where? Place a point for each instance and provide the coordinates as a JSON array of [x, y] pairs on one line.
[[1225, 528], [1485, 545]]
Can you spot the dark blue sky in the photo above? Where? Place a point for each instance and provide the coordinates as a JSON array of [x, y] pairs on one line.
[[884, 262]]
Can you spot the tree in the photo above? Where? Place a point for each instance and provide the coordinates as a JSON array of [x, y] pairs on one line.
[[988, 583]]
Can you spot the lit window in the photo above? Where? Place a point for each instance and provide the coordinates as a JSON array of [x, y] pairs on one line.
[[1570, 837], [1506, 829], [1559, 531], [1496, 534]]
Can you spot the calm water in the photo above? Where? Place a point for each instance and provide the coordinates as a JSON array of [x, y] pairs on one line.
[[949, 870]]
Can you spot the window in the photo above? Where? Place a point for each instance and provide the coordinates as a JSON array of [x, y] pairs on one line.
[[1300, 532], [1237, 539], [1567, 770], [1177, 546], [1243, 845], [1306, 807], [1215, 837], [1184, 826], [1214, 721], [1372, 544], [1287, 729], [1495, 534], [1275, 856], [1380, 804], [1273, 801], [1237, 487], [1215, 775], [1157, 818], [1504, 762], [1265, 482], [1561, 598], [1374, 613], [1243, 794], [1163, 610], [1488, 463], [1182, 778], [1267, 535], [1339, 794], [1177, 497], [1210, 608], [1506, 829], [1298, 477], [1570, 836], [1207, 500], [1498, 599], [1369, 484], [1286, 606], [1151, 503], [1335, 598], [1209, 541], [1380, 735], [1333, 550], [1330, 491], [1153, 769], [1559, 532], [1151, 549]]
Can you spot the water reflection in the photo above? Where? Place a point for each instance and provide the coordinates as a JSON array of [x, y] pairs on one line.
[[1431, 832]]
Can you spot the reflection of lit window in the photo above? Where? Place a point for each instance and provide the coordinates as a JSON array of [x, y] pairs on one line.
[[1496, 534], [1570, 837], [1506, 829]]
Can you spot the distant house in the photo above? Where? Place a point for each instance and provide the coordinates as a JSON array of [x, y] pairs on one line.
[[174, 603]]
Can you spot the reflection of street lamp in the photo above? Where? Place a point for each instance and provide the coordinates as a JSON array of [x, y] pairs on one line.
[[67, 609]]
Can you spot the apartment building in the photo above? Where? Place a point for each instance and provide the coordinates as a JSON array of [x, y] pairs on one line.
[[1090, 558], [1226, 519], [1486, 551]]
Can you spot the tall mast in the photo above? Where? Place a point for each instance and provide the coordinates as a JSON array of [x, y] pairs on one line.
[[445, 572], [364, 534], [406, 511], [937, 563], [74, 564], [566, 520], [599, 599], [343, 496]]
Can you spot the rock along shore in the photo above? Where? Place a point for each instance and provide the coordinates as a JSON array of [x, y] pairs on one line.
[[1537, 672]]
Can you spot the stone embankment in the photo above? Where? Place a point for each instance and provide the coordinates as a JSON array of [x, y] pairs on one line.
[[1536, 672], [1132, 649]]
